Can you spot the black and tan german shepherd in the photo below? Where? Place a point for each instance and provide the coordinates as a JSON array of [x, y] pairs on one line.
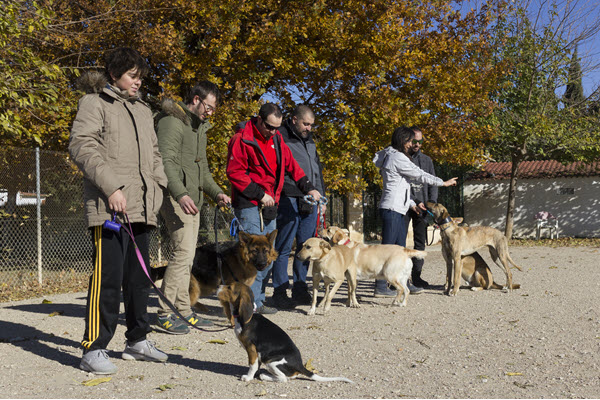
[[240, 262]]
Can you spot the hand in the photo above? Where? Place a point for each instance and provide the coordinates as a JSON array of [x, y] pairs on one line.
[[117, 201], [315, 194], [223, 200], [415, 210], [323, 209], [187, 205], [267, 201], [451, 182]]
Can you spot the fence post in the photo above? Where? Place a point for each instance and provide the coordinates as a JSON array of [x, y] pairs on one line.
[[39, 212]]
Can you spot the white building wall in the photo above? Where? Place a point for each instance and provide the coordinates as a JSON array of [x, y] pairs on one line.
[[574, 201]]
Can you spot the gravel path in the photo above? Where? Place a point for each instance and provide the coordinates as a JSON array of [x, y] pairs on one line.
[[541, 341]]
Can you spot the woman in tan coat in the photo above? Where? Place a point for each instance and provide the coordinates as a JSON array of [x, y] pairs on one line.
[[114, 144]]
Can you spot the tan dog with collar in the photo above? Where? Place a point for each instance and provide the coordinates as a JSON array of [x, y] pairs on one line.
[[337, 235], [459, 241], [478, 275]]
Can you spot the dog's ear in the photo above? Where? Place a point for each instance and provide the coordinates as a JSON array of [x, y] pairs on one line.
[[325, 246], [346, 231], [272, 236], [244, 237]]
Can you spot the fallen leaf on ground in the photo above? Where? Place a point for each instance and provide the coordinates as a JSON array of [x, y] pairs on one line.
[[46, 301], [262, 393], [165, 387], [514, 374], [179, 348], [218, 341], [55, 313], [97, 381], [309, 366]]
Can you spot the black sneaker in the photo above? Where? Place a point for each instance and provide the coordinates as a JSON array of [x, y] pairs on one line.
[[265, 310], [419, 282], [385, 292], [196, 320], [171, 323], [281, 301], [302, 297]]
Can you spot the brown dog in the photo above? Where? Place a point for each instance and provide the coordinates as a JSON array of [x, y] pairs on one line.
[[264, 341], [478, 275], [458, 241], [240, 262]]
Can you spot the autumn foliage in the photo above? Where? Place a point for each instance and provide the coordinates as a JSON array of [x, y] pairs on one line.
[[365, 67]]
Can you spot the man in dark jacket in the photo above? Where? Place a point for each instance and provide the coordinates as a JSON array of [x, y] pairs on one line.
[[296, 219], [181, 130], [257, 161], [421, 193]]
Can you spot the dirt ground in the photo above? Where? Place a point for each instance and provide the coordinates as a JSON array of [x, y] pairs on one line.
[[541, 341]]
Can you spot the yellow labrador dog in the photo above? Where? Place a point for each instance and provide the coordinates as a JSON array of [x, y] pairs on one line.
[[337, 235], [383, 261], [458, 241], [331, 265]]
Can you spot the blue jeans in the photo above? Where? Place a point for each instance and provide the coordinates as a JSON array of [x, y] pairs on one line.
[[291, 224], [249, 219], [393, 232]]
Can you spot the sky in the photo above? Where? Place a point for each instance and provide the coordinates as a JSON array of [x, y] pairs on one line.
[[581, 14]]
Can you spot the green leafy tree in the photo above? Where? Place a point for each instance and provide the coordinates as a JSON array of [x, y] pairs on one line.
[[531, 120]]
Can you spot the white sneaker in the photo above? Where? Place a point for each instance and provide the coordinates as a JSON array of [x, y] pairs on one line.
[[97, 362], [143, 350]]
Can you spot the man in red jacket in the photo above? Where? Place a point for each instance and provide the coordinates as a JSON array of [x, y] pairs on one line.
[[257, 162]]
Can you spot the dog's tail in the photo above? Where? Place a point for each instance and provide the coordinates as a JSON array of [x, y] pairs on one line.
[[415, 253], [319, 378], [496, 286], [513, 263]]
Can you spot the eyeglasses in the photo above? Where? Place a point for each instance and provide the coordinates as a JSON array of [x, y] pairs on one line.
[[415, 141], [208, 108], [270, 127]]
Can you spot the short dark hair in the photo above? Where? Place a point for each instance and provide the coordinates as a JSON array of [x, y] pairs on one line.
[[121, 60], [401, 136], [202, 89], [302, 110], [416, 128], [269, 109]]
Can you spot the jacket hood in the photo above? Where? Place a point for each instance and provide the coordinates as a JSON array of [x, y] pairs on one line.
[[175, 109], [92, 82], [381, 155]]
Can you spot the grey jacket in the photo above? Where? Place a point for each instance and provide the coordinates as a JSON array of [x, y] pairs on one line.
[[305, 153], [397, 171], [113, 143]]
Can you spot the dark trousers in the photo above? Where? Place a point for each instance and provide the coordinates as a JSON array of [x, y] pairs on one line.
[[420, 238], [393, 232], [116, 266]]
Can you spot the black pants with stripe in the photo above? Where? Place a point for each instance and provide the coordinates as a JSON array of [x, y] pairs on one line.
[[116, 265]]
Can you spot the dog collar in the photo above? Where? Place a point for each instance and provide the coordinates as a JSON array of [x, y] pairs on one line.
[[346, 242], [446, 221]]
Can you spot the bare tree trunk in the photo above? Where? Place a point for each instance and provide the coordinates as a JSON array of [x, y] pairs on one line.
[[516, 158]]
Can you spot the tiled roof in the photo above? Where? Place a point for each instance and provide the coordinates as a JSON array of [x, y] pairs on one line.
[[537, 169]]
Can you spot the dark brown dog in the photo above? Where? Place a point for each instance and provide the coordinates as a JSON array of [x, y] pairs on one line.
[[240, 262]]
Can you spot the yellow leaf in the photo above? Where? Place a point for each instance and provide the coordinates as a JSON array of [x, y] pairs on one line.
[[55, 313], [165, 387], [514, 374], [309, 366], [262, 393], [179, 348], [46, 301], [218, 341], [97, 381]]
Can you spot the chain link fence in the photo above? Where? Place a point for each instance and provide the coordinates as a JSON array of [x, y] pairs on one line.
[[43, 234]]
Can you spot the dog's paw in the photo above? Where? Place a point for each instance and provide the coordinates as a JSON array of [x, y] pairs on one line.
[[312, 311], [246, 378]]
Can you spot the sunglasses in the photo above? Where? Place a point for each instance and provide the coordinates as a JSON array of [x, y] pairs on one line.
[[270, 127], [208, 107], [415, 141]]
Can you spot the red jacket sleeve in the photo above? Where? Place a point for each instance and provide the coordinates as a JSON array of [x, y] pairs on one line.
[[237, 168]]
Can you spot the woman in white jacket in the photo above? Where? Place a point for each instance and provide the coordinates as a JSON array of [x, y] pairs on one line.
[[397, 170]]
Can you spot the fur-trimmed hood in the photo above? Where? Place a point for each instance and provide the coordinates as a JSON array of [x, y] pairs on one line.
[[92, 82], [175, 109]]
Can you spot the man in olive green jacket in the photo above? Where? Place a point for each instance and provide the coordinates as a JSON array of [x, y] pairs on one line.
[[181, 130]]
